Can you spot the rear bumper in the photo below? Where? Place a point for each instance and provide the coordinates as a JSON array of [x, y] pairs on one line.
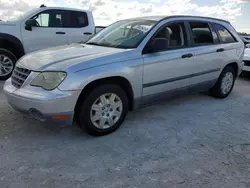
[[45, 106]]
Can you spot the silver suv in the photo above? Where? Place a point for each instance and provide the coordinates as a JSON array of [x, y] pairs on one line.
[[131, 63]]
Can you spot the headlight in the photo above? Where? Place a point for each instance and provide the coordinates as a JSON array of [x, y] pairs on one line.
[[49, 80]]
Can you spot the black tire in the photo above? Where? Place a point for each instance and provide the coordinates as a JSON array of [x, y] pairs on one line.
[[216, 91], [83, 116], [12, 57]]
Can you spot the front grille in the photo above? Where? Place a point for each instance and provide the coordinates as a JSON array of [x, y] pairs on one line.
[[19, 76], [247, 63]]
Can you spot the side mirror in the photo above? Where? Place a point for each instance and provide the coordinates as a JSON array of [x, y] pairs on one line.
[[157, 45], [29, 24]]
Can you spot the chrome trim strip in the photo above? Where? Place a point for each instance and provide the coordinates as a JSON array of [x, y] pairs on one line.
[[180, 78]]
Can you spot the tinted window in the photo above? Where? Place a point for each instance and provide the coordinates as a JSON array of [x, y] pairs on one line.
[[49, 18], [201, 33], [225, 35], [174, 34], [78, 19]]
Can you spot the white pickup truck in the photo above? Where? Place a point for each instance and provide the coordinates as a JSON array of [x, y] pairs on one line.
[[42, 28]]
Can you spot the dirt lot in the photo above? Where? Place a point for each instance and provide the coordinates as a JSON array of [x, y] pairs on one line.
[[191, 142]]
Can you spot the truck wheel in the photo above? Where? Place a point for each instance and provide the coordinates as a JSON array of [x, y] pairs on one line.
[[7, 64], [224, 84], [103, 110]]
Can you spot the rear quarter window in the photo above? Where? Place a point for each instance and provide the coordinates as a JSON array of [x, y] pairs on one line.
[[224, 34]]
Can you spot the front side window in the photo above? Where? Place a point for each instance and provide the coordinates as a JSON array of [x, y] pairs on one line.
[[174, 35], [225, 35], [123, 34], [201, 33], [49, 18], [43, 20]]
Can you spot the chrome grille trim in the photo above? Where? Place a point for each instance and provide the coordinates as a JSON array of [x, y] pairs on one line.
[[19, 76], [16, 83], [23, 73]]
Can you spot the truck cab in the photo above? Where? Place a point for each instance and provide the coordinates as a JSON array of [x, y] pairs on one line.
[[41, 28]]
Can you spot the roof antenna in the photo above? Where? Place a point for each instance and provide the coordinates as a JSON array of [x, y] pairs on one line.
[[42, 6]]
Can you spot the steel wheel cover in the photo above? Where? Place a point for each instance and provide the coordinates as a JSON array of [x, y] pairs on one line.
[[6, 65], [106, 111], [227, 83]]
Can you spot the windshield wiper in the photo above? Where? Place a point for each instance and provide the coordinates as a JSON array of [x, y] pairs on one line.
[[100, 44], [94, 43], [105, 45]]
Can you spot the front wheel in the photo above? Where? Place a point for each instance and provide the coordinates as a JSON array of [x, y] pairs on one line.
[[224, 84], [7, 64], [103, 110]]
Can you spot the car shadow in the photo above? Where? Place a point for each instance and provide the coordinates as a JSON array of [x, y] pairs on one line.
[[152, 114], [14, 124], [245, 76]]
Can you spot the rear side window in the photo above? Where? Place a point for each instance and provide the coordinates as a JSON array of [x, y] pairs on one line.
[[225, 35], [78, 19], [201, 33]]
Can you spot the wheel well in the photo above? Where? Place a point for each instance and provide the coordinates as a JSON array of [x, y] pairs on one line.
[[234, 65], [121, 81], [12, 47]]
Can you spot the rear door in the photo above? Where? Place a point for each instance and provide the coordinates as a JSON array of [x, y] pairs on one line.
[[228, 49], [49, 31], [205, 48], [79, 26]]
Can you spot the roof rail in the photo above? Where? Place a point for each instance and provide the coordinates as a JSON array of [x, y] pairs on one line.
[[42, 5], [202, 17]]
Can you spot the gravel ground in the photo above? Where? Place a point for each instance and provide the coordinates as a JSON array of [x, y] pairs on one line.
[[194, 141]]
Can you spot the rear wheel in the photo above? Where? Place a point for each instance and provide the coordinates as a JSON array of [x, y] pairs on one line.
[[103, 110], [225, 83], [7, 64]]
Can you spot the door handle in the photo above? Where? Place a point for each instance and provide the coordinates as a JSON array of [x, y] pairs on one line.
[[60, 33], [220, 50], [187, 55], [87, 33]]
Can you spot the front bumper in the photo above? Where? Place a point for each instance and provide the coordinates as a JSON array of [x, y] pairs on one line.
[[46, 106]]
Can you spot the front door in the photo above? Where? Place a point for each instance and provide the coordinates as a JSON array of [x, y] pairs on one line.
[[171, 68], [48, 32]]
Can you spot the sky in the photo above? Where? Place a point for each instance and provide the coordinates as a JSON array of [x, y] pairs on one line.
[[108, 11]]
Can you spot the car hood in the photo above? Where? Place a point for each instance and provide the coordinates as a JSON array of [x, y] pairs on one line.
[[64, 57], [247, 54]]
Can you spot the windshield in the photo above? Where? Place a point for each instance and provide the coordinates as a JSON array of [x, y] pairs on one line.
[[123, 34]]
